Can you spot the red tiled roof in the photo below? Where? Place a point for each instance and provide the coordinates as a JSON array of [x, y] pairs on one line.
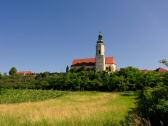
[[86, 60], [109, 60], [161, 70], [25, 72]]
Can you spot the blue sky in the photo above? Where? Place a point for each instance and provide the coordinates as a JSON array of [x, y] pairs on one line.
[[46, 35]]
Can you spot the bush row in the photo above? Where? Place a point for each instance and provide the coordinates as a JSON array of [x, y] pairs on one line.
[[124, 80]]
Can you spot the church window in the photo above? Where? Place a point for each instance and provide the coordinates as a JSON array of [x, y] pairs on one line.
[[107, 68], [99, 51]]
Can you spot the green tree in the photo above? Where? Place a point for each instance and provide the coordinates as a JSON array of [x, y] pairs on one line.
[[67, 68], [12, 71], [45, 74], [131, 76], [164, 61], [153, 105], [0, 75]]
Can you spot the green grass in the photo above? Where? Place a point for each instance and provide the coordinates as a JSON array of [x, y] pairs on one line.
[[18, 96], [58, 108]]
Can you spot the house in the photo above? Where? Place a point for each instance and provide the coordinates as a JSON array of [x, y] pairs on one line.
[[160, 69], [24, 73]]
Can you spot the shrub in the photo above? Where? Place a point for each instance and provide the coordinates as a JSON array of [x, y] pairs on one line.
[[153, 105]]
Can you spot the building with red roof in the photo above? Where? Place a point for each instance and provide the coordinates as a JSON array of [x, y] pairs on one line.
[[24, 73], [160, 69], [100, 62]]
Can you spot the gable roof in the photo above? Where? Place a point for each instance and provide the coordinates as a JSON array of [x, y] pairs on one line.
[[25, 72], [82, 61], [110, 60], [160, 69], [92, 61]]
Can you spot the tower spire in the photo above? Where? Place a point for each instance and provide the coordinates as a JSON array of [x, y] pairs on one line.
[[100, 38]]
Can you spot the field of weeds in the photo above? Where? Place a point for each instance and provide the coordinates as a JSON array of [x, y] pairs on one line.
[[63, 108]]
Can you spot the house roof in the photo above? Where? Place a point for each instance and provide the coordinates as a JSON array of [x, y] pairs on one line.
[[91, 61], [110, 60], [24, 72], [160, 69]]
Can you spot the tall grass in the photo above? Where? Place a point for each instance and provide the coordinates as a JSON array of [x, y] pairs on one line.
[[70, 109]]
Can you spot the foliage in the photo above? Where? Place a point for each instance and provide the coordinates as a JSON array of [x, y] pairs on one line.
[[12, 71], [67, 68], [164, 61], [152, 101], [153, 105], [18, 95], [127, 79]]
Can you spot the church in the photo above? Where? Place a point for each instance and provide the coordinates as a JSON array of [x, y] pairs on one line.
[[100, 62]]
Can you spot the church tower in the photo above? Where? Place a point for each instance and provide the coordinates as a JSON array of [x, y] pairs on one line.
[[100, 53]]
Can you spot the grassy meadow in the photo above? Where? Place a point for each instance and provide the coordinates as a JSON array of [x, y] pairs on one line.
[[63, 108]]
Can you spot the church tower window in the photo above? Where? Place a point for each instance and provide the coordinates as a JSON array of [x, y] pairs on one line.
[[99, 52]]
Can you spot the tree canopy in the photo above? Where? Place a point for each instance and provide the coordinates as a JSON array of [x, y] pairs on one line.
[[164, 61], [12, 71]]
